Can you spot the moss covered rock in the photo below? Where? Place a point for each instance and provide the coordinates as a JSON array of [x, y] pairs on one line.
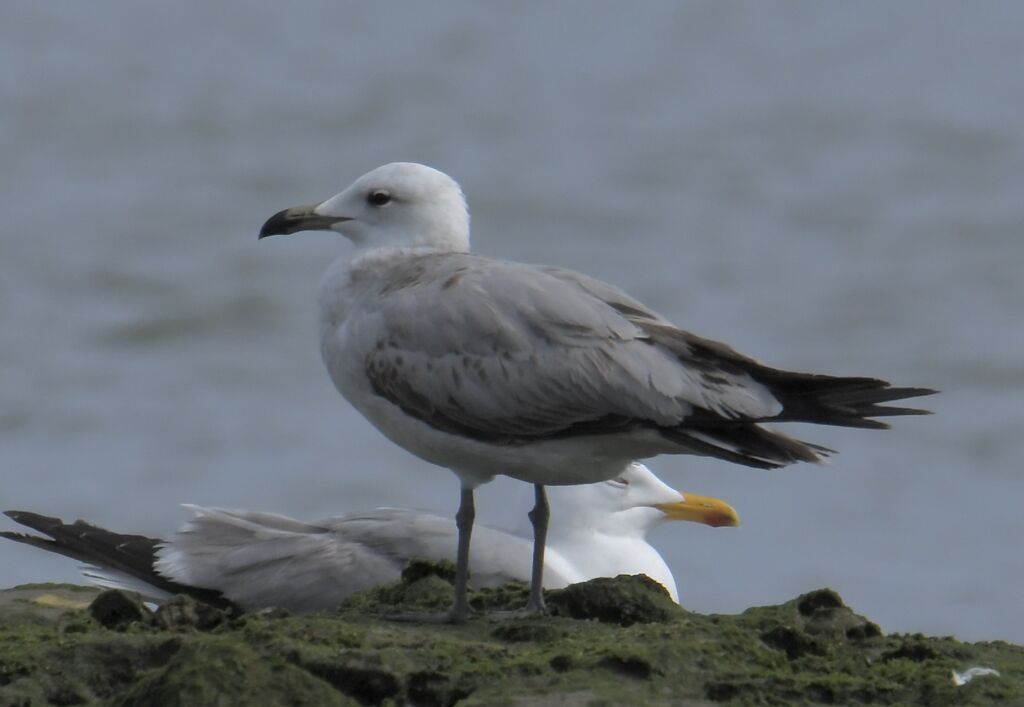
[[609, 641]]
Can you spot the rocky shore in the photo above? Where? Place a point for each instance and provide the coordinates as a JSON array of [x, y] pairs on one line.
[[609, 641]]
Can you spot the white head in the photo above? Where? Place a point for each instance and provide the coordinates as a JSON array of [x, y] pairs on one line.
[[632, 504], [402, 204]]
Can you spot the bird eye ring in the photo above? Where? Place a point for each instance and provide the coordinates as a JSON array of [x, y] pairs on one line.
[[378, 198]]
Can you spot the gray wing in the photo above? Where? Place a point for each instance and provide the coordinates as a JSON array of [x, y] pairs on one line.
[[259, 560], [496, 556], [503, 352]]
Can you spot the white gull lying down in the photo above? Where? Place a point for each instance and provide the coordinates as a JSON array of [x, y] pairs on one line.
[[258, 560], [487, 366]]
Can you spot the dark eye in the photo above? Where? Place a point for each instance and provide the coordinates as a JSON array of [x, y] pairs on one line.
[[620, 482], [378, 198]]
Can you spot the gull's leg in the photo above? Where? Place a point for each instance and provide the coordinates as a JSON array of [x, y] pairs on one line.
[[459, 612], [464, 522], [539, 518]]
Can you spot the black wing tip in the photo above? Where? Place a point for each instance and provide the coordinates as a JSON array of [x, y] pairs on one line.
[[29, 520], [870, 409], [748, 444], [16, 536], [15, 513], [911, 392], [36, 521], [871, 390], [845, 402], [886, 410]]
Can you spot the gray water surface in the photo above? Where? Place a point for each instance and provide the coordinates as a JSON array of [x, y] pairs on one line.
[[829, 187]]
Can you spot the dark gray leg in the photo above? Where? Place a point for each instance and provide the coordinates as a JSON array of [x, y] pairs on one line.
[[464, 522], [459, 613], [539, 518]]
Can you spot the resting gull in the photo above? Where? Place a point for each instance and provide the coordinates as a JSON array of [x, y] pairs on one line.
[[487, 366], [259, 560]]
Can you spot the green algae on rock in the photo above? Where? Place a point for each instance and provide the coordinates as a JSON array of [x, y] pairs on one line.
[[608, 641], [624, 600]]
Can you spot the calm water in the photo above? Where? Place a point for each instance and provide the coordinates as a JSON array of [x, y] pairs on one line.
[[828, 187]]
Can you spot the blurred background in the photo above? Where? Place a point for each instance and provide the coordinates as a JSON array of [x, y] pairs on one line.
[[828, 187]]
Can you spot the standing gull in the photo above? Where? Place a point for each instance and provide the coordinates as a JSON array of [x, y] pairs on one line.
[[487, 366], [259, 560]]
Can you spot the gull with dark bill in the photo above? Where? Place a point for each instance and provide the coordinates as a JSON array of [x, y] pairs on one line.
[[487, 366], [259, 560]]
